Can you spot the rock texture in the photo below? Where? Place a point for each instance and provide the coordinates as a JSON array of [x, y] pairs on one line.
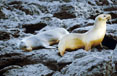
[[30, 70], [21, 18], [94, 64]]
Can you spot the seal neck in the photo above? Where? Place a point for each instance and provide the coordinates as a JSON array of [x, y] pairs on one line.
[[100, 24]]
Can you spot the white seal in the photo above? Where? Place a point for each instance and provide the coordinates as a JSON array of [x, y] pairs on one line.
[[43, 39]]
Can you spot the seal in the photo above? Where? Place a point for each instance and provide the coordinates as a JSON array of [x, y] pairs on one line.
[[43, 39], [86, 40]]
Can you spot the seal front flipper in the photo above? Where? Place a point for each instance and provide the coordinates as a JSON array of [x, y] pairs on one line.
[[28, 49], [88, 46], [101, 45]]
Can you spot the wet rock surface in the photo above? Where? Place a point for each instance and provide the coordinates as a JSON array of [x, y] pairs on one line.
[[22, 18]]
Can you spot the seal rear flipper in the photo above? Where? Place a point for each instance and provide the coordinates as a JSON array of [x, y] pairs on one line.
[[46, 45], [50, 47]]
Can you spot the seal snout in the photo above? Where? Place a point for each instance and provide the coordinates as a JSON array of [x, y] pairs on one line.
[[108, 17]]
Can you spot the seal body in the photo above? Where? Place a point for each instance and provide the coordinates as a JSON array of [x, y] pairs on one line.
[[86, 40], [42, 40], [52, 36]]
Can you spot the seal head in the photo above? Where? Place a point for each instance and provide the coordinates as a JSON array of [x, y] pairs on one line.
[[103, 17], [22, 45]]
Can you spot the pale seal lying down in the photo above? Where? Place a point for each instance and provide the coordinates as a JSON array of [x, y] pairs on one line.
[[44, 39]]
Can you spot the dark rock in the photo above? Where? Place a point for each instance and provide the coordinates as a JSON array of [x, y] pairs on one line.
[[18, 57], [4, 35], [114, 74], [110, 8], [8, 68], [109, 42], [31, 28], [11, 59], [66, 12], [64, 15], [2, 14]]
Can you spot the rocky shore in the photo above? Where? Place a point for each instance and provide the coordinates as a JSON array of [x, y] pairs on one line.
[[21, 18]]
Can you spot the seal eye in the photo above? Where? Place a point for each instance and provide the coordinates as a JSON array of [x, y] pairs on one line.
[[104, 16]]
